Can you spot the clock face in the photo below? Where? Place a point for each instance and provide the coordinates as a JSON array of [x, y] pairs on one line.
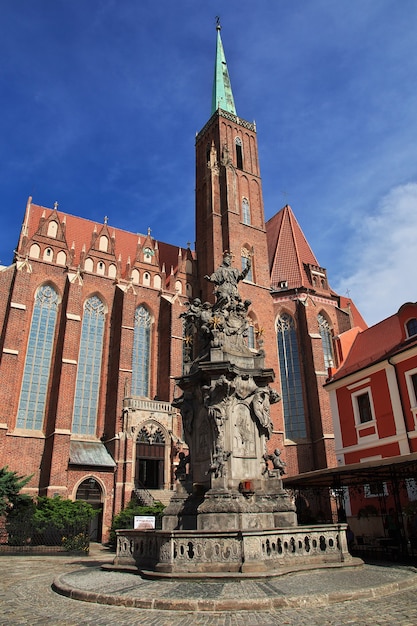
[[148, 252]]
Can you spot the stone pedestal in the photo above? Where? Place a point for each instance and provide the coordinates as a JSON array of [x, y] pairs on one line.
[[230, 513]]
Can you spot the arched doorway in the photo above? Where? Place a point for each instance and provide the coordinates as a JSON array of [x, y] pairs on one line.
[[90, 491], [150, 459]]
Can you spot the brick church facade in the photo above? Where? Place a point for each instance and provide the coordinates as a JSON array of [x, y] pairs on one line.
[[92, 335]]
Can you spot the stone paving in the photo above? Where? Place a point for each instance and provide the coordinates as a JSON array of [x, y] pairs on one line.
[[26, 596]]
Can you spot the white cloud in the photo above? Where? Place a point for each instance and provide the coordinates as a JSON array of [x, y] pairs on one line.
[[383, 256]]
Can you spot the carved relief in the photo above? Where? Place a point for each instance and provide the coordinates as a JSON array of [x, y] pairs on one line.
[[244, 433]]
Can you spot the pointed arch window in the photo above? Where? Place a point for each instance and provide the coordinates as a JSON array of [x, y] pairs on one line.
[[326, 340], [251, 336], [87, 383], [239, 153], [245, 255], [291, 383], [245, 211], [141, 352], [32, 401]]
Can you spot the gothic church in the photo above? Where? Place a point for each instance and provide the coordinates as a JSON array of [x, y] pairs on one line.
[[92, 334]]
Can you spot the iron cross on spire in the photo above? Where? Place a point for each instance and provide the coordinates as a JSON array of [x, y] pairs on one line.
[[218, 25]]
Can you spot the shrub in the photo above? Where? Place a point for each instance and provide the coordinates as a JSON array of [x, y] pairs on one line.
[[56, 518], [125, 518]]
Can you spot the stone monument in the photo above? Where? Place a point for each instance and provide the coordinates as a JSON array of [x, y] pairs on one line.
[[229, 514], [225, 407]]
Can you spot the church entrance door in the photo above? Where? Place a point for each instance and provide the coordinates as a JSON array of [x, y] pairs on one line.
[[150, 465]]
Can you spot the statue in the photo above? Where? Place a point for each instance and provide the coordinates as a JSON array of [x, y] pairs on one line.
[[277, 463], [181, 469], [217, 466], [226, 279], [263, 398]]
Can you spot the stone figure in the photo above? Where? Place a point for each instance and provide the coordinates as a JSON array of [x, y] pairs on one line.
[[217, 466], [181, 469], [226, 279], [262, 400], [277, 462]]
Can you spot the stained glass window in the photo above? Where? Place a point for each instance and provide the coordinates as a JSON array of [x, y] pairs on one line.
[[32, 400], [326, 340], [141, 352], [292, 391], [89, 368]]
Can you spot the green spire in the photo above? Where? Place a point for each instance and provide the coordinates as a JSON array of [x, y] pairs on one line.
[[222, 89]]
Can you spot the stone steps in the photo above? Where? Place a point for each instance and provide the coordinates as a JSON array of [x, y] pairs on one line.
[[163, 495]]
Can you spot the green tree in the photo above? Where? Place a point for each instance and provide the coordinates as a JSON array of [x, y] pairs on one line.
[[10, 486]]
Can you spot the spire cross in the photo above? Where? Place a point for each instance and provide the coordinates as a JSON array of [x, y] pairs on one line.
[[56, 205], [149, 232], [218, 25], [106, 219]]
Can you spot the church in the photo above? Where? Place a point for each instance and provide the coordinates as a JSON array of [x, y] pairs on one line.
[[93, 336]]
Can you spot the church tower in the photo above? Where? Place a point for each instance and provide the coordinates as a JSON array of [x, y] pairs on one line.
[[229, 205]]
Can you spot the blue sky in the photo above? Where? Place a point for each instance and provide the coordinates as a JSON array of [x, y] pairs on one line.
[[101, 99]]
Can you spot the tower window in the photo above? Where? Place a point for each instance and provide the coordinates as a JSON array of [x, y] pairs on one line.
[[239, 153], [245, 256], [245, 211], [251, 337]]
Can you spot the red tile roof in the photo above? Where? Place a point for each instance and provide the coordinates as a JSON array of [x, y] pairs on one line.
[[372, 345], [288, 250], [79, 231]]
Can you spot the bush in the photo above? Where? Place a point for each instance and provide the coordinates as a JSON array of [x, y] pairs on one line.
[[125, 518], [57, 521], [50, 522], [19, 522]]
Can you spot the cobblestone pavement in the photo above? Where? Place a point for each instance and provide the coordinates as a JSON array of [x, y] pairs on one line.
[[26, 597]]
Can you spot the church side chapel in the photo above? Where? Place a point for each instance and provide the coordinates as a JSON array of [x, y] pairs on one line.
[[95, 328]]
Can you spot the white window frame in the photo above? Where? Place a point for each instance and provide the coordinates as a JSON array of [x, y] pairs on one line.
[[411, 393], [360, 392]]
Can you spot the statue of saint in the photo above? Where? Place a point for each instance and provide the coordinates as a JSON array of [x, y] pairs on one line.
[[226, 279]]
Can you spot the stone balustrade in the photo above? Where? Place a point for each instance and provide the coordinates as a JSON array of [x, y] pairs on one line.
[[142, 404], [193, 553]]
